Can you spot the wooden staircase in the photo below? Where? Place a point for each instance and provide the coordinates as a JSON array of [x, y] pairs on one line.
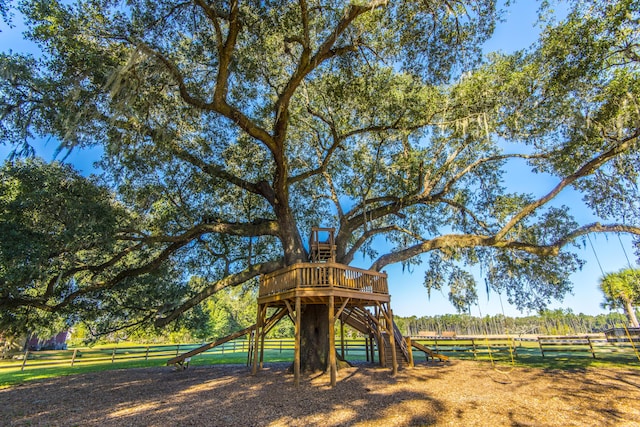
[[359, 319], [363, 321], [401, 359]]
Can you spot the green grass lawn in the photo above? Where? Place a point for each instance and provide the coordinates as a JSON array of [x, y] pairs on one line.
[[11, 376], [99, 359]]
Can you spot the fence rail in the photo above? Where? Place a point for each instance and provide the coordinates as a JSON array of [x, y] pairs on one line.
[[79, 356], [474, 346], [561, 345]]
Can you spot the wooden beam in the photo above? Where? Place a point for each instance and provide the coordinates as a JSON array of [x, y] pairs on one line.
[[259, 320], [262, 338], [274, 319], [292, 313], [408, 341], [341, 339], [372, 349], [344, 304], [388, 315], [296, 355], [332, 342]]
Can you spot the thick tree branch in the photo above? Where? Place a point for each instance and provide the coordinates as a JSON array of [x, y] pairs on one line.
[[90, 268], [307, 64], [587, 169], [596, 227], [457, 177], [396, 204], [219, 103], [216, 171], [41, 302], [259, 227], [457, 241], [348, 256], [225, 55], [231, 280]]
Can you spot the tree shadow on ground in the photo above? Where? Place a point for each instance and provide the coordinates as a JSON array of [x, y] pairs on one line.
[[219, 396], [456, 393]]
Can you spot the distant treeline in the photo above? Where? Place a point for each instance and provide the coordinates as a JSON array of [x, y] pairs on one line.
[[552, 322]]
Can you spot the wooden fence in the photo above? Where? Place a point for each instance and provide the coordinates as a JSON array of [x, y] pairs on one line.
[[476, 347], [551, 345], [595, 345], [88, 355]]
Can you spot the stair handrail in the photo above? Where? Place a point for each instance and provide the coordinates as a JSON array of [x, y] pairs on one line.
[[399, 338]]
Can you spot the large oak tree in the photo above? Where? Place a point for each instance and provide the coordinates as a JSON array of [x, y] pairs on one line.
[[229, 128]]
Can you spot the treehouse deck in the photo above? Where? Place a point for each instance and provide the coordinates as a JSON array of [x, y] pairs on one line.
[[314, 283]]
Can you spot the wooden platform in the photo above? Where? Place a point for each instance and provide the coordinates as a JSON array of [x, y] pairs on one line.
[[315, 282]]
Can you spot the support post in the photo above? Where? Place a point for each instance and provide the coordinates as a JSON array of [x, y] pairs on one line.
[[332, 342], [410, 350], [296, 351], [263, 335], [24, 360], [73, 358], [366, 347], [249, 348], [372, 349], [341, 338], [382, 346], [254, 369], [392, 341]]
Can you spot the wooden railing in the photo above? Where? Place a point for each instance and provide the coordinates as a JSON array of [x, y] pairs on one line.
[[323, 275]]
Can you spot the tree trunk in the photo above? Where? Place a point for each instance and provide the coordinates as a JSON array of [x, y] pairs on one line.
[[631, 313], [314, 338]]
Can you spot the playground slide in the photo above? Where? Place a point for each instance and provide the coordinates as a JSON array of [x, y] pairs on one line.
[[429, 352], [179, 360]]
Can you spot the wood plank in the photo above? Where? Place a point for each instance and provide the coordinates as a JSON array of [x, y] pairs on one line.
[[296, 355], [332, 342]]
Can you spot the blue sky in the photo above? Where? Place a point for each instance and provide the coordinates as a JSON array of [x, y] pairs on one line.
[[409, 297]]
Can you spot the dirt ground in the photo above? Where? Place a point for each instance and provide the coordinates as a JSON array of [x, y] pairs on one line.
[[459, 393]]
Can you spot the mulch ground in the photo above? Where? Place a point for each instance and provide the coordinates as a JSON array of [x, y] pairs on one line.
[[459, 393]]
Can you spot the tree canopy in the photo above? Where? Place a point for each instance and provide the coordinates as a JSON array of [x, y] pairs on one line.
[[229, 128]]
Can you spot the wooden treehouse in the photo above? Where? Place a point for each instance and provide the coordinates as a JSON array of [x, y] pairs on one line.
[[355, 297]]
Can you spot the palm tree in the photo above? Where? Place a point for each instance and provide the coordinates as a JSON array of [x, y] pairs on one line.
[[622, 288]]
